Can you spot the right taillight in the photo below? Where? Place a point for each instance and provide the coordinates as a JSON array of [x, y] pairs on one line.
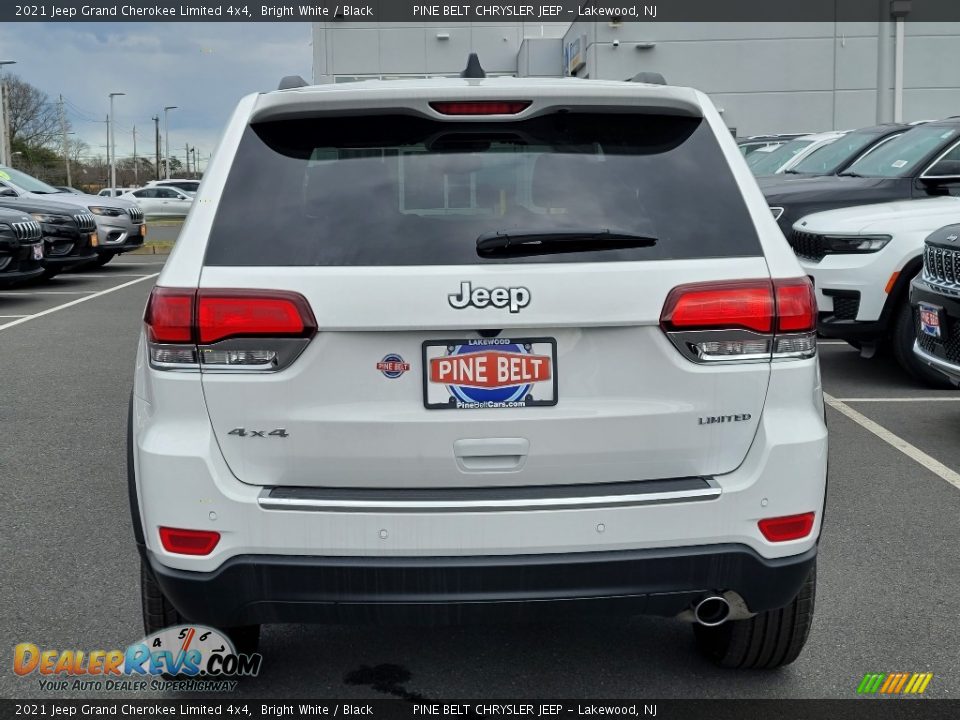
[[235, 330], [744, 320]]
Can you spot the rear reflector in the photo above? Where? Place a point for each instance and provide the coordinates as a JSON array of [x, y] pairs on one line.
[[188, 542], [248, 313], [744, 304], [789, 527], [169, 315], [481, 107]]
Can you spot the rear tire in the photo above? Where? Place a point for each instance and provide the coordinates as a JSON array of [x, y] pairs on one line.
[[766, 641], [902, 338], [159, 613]]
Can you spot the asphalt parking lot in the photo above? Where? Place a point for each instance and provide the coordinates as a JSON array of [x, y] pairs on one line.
[[889, 570]]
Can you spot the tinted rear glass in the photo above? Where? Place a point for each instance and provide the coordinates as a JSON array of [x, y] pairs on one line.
[[403, 190]]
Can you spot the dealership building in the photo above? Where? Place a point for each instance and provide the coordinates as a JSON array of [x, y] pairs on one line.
[[764, 77]]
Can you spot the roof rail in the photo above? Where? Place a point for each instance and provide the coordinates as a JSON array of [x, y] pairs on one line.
[[651, 78], [473, 68], [288, 82]]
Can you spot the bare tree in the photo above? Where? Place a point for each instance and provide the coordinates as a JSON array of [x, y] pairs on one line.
[[79, 149], [34, 119]]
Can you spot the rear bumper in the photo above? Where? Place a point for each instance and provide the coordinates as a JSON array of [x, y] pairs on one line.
[[253, 589]]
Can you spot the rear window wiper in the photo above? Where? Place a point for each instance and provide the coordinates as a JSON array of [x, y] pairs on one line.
[[544, 242]]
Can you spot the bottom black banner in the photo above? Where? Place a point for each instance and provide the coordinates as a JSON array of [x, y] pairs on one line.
[[862, 709]]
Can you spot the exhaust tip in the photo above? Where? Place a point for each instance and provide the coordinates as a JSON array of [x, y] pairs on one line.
[[713, 610]]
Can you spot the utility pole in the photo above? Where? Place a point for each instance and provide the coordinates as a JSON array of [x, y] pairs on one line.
[[113, 148], [156, 133], [136, 171], [108, 150], [186, 156], [66, 146], [166, 132], [4, 121]]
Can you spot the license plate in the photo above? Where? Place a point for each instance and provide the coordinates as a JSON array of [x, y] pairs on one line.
[[38, 252], [486, 373], [930, 319]]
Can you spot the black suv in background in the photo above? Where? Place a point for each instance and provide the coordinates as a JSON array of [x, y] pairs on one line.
[[69, 232], [21, 248], [935, 296], [922, 162]]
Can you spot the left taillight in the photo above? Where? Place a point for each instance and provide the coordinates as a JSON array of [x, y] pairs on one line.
[[236, 330], [743, 320]]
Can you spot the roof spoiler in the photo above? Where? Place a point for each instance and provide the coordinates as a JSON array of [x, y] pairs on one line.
[[288, 82], [651, 78]]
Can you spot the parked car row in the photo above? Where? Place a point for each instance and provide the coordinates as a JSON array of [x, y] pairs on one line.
[[45, 230], [857, 212]]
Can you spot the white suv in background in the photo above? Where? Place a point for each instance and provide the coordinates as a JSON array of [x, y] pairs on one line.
[[457, 346], [862, 260]]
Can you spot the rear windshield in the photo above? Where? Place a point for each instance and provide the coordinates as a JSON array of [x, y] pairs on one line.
[[403, 190]]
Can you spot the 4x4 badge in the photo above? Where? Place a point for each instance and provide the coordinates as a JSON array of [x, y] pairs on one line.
[[513, 298]]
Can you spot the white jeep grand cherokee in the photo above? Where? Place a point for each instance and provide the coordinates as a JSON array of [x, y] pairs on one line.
[[446, 347], [862, 260]]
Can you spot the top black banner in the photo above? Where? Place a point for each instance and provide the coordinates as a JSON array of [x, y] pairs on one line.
[[432, 11]]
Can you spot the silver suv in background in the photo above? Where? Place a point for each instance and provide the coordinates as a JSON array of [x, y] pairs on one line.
[[120, 225]]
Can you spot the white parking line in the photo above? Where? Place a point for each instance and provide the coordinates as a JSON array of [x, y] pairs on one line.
[[909, 399], [28, 318], [911, 451], [45, 292], [11, 316], [84, 276]]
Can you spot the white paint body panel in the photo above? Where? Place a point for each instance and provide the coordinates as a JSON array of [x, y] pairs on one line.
[[908, 222], [629, 401]]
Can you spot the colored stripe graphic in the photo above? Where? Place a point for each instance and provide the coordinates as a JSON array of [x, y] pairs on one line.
[[894, 683]]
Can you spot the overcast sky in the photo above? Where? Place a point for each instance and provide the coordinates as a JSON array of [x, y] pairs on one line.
[[203, 68]]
